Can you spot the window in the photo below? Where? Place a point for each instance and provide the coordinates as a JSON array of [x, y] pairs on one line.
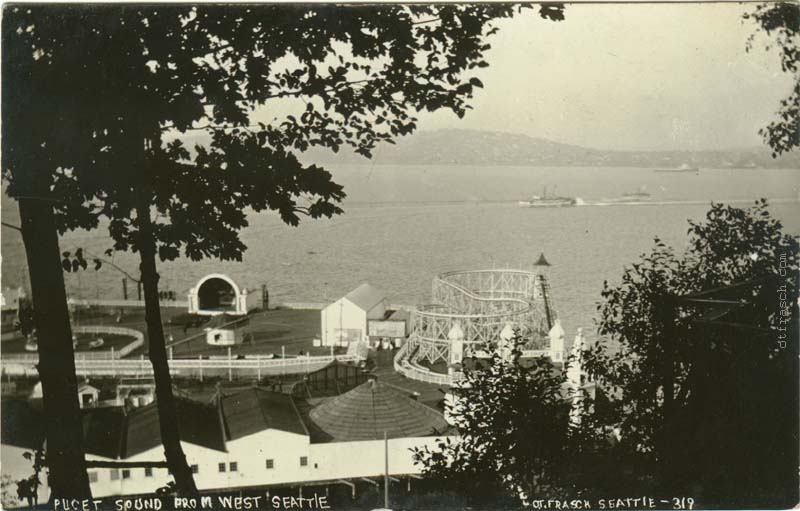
[[270, 463], [222, 467], [303, 461], [233, 466], [114, 474], [92, 477], [126, 474], [148, 472], [195, 469]]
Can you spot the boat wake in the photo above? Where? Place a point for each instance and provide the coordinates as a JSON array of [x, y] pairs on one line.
[[607, 202]]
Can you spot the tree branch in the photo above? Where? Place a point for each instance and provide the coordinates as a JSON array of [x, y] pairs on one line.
[[106, 261], [11, 226]]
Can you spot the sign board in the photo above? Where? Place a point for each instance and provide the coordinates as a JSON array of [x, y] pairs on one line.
[[393, 329]]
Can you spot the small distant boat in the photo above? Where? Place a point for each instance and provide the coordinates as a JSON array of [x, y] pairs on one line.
[[683, 168], [739, 165], [547, 201], [639, 194]]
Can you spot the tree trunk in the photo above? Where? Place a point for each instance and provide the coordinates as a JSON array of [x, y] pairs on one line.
[[167, 416], [63, 421]]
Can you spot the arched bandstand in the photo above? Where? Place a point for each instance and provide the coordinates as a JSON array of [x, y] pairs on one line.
[[219, 294]]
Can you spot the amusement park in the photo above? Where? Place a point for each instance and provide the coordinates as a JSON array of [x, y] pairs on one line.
[[223, 329], [330, 361]]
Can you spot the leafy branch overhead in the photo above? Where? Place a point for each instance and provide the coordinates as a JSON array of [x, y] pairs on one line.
[[252, 86], [781, 22]]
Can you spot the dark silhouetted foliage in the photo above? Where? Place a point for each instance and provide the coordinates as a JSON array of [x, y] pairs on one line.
[[102, 97], [729, 437]]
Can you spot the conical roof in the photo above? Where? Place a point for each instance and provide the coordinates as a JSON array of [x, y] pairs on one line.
[[372, 408], [541, 261]]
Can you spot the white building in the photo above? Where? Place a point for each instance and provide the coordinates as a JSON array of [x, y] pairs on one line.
[[87, 395], [346, 320], [257, 438], [219, 294]]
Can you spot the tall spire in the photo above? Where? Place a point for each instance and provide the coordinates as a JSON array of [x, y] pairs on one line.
[[541, 261]]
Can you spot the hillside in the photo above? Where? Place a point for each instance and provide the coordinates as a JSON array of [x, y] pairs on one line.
[[473, 147]]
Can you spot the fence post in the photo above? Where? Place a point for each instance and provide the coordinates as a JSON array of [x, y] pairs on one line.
[[141, 365], [170, 352], [258, 368], [230, 365]]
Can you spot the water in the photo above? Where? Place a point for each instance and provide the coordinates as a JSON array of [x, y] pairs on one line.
[[403, 225]]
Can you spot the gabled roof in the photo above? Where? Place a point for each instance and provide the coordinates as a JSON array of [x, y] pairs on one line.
[[22, 425], [255, 410], [366, 296], [104, 431], [85, 386], [371, 409], [198, 424]]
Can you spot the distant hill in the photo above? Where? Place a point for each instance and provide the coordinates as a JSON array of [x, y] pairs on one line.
[[475, 147]]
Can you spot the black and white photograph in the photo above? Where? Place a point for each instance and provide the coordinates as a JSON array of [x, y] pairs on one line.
[[400, 256]]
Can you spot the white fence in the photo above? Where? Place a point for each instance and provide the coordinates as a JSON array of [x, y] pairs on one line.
[[231, 368], [416, 372], [124, 303], [138, 341], [101, 354]]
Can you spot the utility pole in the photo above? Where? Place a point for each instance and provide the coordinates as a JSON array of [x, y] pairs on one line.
[[386, 470]]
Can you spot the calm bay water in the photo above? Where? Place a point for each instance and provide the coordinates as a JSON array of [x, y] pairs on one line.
[[402, 225]]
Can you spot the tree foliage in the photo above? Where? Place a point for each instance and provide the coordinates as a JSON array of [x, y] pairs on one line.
[[514, 436], [103, 97], [781, 22], [727, 356], [360, 74]]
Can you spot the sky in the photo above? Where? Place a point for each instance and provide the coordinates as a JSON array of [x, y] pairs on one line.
[[672, 76]]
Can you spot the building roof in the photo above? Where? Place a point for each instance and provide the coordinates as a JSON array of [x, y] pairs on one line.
[[85, 387], [198, 423], [398, 315], [255, 410], [541, 261], [104, 431], [371, 409], [22, 425], [111, 433], [366, 296]]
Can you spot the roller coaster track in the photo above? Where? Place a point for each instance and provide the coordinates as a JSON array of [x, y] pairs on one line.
[[480, 304]]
